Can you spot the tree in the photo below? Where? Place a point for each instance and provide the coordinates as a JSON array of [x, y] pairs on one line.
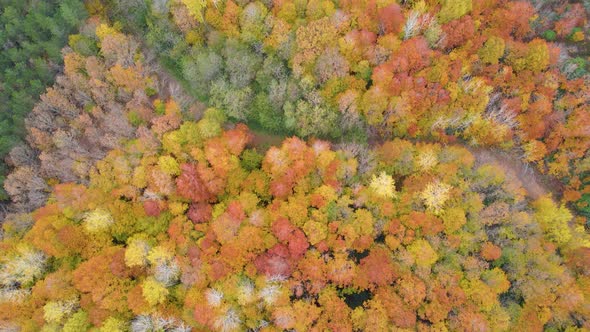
[[57, 312], [458, 32], [330, 65], [275, 262], [412, 290], [554, 220], [78, 322], [383, 185], [377, 269], [236, 101], [113, 324], [453, 219], [97, 220], [394, 308], [423, 253], [492, 50], [153, 291], [252, 24], [195, 8], [308, 119], [136, 252], [311, 40], [190, 185], [22, 268], [95, 278], [241, 64], [199, 212], [153, 208], [205, 66], [26, 188], [534, 56], [452, 10], [496, 279], [490, 252], [435, 196], [391, 18]]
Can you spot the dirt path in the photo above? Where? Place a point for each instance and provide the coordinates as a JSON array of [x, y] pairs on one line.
[[535, 183], [263, 141]]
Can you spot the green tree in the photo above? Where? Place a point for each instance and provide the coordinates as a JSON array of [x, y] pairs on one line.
[[307, 119]]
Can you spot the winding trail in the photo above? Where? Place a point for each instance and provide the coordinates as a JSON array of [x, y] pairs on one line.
[[263, 141], [534, 182]]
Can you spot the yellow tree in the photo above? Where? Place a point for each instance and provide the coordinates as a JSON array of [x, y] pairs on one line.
[[553, 220], [435, 195], [383, 185]]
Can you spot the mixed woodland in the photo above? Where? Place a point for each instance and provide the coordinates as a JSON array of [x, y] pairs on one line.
[[32, 36], [143, 192]]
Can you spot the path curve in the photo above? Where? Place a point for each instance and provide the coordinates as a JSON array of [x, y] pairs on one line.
[[534, 182]]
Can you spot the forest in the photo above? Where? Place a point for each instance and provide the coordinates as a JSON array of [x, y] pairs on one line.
[[295, 165], [32, 36]]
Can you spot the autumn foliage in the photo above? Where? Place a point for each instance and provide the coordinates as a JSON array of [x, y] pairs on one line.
[[225, 249], [147, 210]]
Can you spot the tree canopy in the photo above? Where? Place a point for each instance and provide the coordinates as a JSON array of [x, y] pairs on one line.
[[151, 194]]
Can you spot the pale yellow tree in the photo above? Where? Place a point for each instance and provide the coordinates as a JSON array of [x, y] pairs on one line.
[[383, 185], [435, 195], [97, 220], [427, 159]]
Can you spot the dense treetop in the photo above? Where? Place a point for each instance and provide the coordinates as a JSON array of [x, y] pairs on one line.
[[487, 73], [189, 227], [141, 204]]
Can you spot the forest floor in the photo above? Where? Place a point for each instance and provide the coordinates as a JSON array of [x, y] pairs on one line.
[[262, 141], [517, 172]]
